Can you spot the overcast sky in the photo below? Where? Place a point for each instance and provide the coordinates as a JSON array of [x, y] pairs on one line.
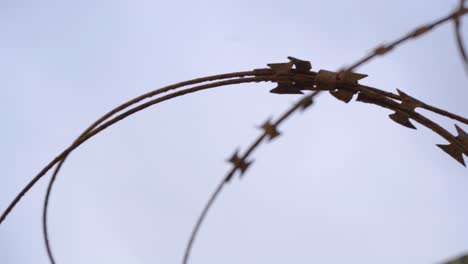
[[344, 183]]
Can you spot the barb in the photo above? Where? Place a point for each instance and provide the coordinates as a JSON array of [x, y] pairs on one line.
[[423, 105], [460, 144]]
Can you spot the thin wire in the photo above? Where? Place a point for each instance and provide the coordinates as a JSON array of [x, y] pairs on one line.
[[458, 36], [228, 176], [381, 50], [38, 176], [91, 131], [118, 118], [423, 105]]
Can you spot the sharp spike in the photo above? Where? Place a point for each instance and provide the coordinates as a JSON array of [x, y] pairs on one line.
[[270, 130], [454, 152], [402, 119], [462, 135], [302, 66], [239, 163], [463, 138], [281, 68], [285, 88], [351, 77], [306, 102], [343, 95]]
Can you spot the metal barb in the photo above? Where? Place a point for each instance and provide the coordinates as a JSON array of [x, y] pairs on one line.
[[270, 130], [408, 104], [402, 118], [457, 151], [454, 151], [302, 66], [239, 163], [286, 87], [281, 68], [338, 83], [343, 95], [306, 102]]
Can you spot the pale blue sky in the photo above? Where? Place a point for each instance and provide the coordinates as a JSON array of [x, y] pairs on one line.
[[321, 193]]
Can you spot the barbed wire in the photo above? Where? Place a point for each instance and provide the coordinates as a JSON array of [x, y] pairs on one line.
[[342, 84]]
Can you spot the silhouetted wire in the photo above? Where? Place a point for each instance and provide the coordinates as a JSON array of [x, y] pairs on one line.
[[428, 107], [390, 104], [94, 129], [457, 26], [381, 50], [91, 132], [106, 116]]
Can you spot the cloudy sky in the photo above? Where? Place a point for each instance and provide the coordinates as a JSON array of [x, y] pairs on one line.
[[344, 184]]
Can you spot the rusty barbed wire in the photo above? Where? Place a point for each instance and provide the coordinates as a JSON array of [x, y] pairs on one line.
[[343, 85], [343, 89]]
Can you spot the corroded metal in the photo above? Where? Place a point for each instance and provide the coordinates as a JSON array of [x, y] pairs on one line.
[[270, 130], [301, 66], [408, 104], [281, 68], [284, 73], [457, 151], [306, 102], [239, 163], [339, 84], [286, 87]]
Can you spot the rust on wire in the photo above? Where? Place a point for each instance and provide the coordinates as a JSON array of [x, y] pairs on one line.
[[270, 130], [286, 71], [408, 104], [239, 163], [306, 102], [301, 66], [292, 77], [340, 84], [457, 151], [458, 145], [286, 87]]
